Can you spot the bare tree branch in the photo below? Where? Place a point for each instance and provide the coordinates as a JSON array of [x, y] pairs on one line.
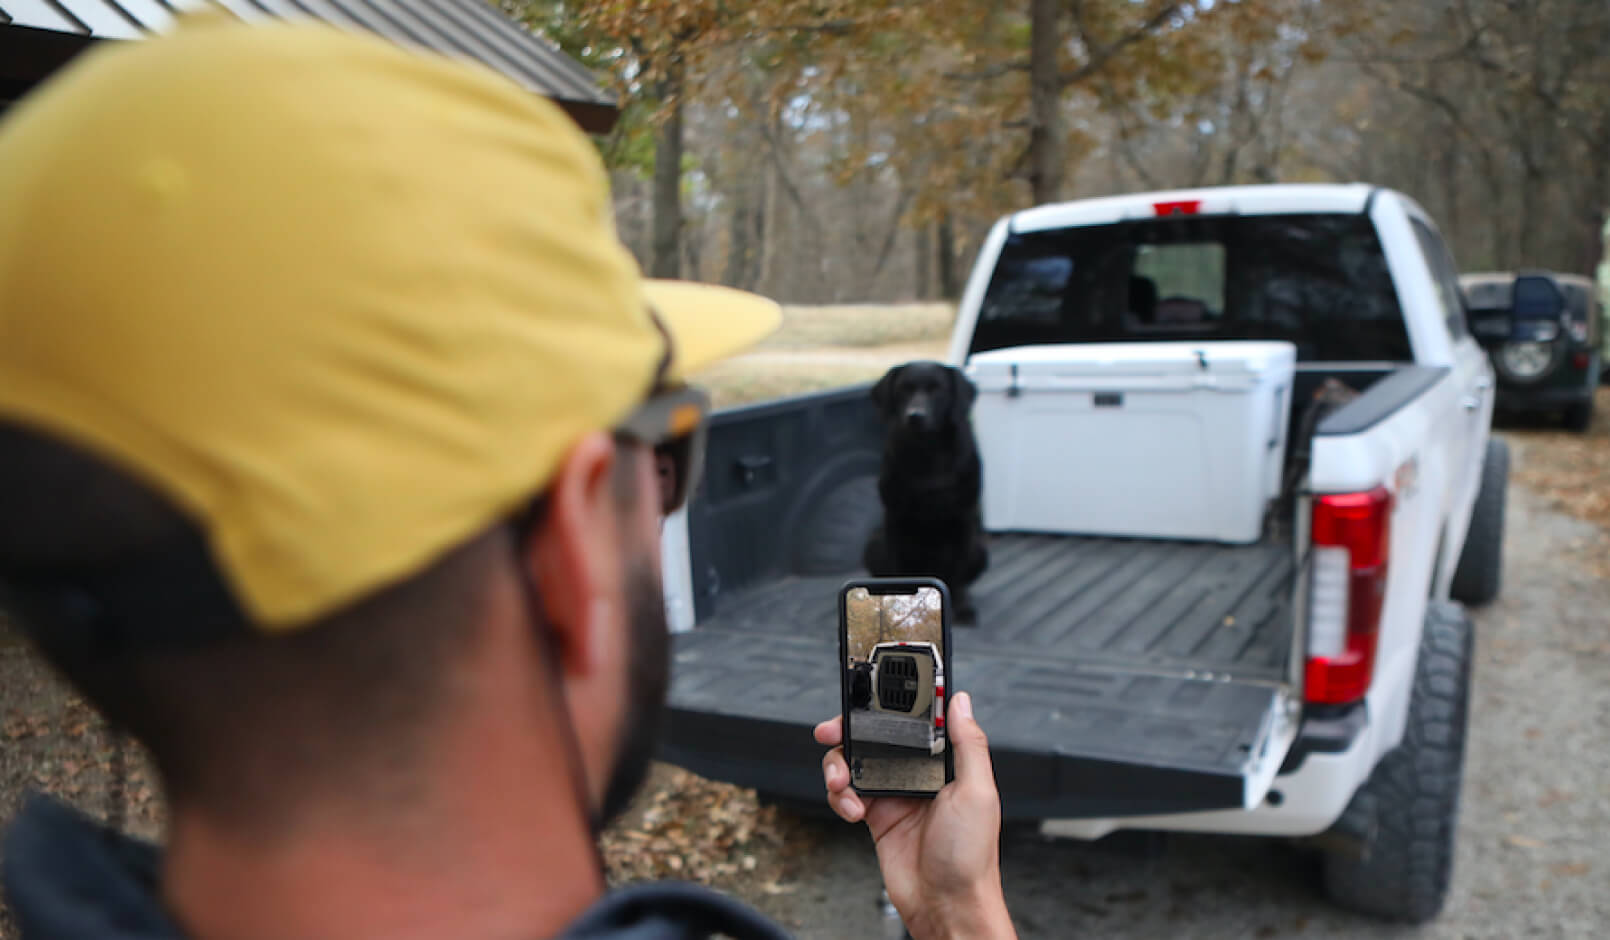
[[1101, 55], [904, 200]]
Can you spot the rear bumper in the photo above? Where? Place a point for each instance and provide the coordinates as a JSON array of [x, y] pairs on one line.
[[1329, 761]]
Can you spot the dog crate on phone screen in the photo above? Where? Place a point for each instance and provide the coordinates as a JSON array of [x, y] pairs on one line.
[[1153, 439]]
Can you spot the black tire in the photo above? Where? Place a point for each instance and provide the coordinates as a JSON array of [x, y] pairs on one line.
[[1579, 416], [1411, 801], [1479, 576]]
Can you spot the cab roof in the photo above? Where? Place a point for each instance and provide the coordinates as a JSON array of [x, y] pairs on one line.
[[1267, 199]]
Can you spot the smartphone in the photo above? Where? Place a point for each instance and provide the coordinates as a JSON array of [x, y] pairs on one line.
[[894, 654]]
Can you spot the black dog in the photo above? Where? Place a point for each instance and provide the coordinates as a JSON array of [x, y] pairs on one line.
[[929, 482], [861, 685]]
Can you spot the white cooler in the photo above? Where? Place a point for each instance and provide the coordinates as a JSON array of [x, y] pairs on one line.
[[1155, 440]]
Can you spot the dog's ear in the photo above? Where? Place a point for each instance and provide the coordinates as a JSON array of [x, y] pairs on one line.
[[883, 392], [962, 395]]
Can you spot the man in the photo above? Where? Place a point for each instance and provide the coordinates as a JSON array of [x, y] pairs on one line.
[[335, 432]]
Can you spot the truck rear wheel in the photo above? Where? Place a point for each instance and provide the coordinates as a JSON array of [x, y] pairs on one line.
[[1412, 798], [1478, 577]]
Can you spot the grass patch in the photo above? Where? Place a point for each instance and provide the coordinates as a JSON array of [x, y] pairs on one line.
[[862, 325], [821, 348], [742, 382]]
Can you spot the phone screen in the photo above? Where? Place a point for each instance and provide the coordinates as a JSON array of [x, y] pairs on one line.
[[894, 644]]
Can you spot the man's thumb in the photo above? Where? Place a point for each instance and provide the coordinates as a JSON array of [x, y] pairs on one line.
[[969, 742]]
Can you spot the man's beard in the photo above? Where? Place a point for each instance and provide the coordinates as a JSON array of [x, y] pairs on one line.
[[648, 669]]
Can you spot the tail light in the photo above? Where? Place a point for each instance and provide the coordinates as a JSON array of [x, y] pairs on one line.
[[1351, 535], [939, 707], [1579, 360]]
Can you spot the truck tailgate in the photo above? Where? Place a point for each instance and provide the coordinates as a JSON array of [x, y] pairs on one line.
[[1114, 677]]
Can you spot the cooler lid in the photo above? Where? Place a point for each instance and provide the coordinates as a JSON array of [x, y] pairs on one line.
[[1220, 359]]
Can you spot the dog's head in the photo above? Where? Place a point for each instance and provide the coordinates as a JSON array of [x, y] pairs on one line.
[[924, 397]]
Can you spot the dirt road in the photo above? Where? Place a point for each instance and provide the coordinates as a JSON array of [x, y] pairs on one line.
[[1534, 847]]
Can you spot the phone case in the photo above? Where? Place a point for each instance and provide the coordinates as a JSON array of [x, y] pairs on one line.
[[896, 586]]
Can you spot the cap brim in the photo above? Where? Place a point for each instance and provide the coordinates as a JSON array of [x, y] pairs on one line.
[[709, 323]]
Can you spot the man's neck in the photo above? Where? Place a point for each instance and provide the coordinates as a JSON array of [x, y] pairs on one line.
[[499, 851]]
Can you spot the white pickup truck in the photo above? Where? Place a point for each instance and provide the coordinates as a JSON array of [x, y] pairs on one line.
[[1313, 683]]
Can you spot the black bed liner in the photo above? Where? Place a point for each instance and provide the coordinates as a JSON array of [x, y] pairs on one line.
[[1114, 677]]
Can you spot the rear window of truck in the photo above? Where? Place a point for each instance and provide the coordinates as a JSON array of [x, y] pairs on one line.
[[1318, 281]]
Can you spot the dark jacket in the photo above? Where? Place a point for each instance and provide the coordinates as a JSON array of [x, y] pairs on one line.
[[69, 878]]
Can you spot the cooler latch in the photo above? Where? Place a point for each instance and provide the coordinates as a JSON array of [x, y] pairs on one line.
[[1014, 389]]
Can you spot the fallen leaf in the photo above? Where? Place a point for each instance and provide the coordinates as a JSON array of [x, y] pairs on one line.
[[1552, 797], [1523, 842], [1570, 869]]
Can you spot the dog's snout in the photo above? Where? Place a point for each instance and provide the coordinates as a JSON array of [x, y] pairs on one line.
[[916, 418]]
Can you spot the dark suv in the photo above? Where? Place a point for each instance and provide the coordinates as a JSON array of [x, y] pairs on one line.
[[1542, 330]]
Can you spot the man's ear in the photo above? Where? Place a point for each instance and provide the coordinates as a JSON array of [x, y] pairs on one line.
[[962, 395], [883, 392], [573, 555]]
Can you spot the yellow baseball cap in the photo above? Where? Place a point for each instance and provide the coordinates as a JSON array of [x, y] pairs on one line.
[[345, 303]]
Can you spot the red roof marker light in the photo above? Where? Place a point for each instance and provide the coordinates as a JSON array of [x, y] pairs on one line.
[[1181, 207]]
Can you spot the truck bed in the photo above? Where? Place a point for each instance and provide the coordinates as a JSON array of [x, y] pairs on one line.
[[1145, 606], [1116, 677], [1091, 656]]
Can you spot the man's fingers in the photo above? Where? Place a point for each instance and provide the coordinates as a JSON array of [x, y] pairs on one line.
[[830, 732], [835, 773], [848, 805], [973, 767]]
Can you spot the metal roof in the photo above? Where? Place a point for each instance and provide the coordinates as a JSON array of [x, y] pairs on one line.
[[466, 29]]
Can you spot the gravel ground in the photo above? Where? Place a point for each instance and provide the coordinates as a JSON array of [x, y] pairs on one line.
[[1533, 859]]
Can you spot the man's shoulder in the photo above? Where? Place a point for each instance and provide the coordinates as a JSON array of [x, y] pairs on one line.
[[669, 910]]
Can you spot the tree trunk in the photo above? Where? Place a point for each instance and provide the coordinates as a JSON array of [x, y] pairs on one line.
[[949, 288], [667, 260], [1045, 103], [757, 229], [692, 259], [1449, 160], [923, 244], [739, 228], [771, 225]]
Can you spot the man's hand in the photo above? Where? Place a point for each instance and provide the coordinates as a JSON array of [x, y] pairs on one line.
[[940, 857]]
